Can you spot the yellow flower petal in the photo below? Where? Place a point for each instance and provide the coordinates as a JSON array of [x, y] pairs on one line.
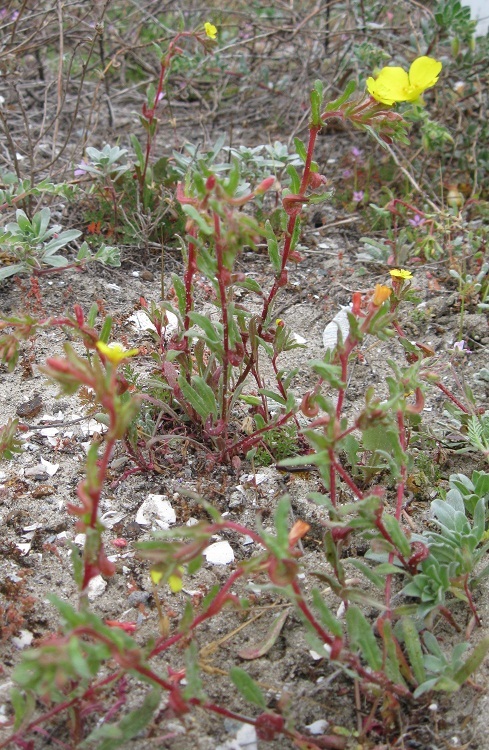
[[400, 273], [390, 85], [115, 352], [175, 583], [156, 576], [424, 72], [210, 30]]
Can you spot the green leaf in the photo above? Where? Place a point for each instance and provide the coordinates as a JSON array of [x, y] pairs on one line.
[[137, 150], [295, 182], [23, 221], [300, 148], [272, 396], [106, 328], [61, 241], [325, 615], [397, 535], [194, 687], [362, 637], [212, 330], [316, 101], [11, 270], [199, 220], [199, 395], [391, 661], [20, 704], [76, 561], [129, 726], [55, 261], [412, 645], [350, 88], [473, 662], [247, 687], [273, 252], [179, 288]]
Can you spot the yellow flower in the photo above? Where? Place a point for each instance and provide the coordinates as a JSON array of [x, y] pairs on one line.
[[175, 582], [210, 30], [174, 579], [156, 576], [401, 273], [395, 85], [115, 352], [381, 293]]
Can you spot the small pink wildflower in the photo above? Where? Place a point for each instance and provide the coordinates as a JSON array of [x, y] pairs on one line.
[[417, 220]]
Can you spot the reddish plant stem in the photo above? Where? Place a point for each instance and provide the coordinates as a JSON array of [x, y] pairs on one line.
[[225, 322], [400, 501], [249, 441], [291, 225], [188, 279], [347, 479], [453, 398]]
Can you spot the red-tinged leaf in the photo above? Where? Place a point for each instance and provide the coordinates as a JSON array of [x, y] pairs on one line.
[[264, 647]]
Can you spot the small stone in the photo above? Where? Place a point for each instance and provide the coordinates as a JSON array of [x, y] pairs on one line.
[[219, 553], [317, 727], [96, 588], [158, 509], [23, 640], [138, 597]]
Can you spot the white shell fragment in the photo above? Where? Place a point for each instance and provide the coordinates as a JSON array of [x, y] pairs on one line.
[[219, 553], [49, 468], [253, 479], [141, 322], [339, 323], [299, 339], [158, 510], [96, 587], [23, 640], [317, 727], [49, 431], [90, 426]]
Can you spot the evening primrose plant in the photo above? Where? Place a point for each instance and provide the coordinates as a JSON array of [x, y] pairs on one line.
[[208, 367]]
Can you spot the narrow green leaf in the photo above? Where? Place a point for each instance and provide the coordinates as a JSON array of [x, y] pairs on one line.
[[398, 537], [350, 88], [247, 687], [11, 270], [300, 148], [133, 722], [200, 396], [193, 214], [412, 644], [392, 663], [106, 328], [325, 615], [473, 662], [362, 637]]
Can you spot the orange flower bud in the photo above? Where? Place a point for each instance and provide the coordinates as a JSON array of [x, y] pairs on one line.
[[381, 293]]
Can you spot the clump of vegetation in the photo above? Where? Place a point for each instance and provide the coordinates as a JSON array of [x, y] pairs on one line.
[[208, 391]]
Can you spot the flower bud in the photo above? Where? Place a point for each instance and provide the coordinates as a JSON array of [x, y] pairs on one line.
[[381, 294], [265, 185]]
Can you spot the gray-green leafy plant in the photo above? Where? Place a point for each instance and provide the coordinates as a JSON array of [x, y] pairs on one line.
[[35, 243]]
